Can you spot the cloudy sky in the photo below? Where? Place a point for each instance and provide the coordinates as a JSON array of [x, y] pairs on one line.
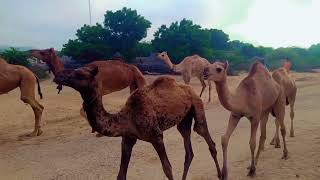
[[50, 23]]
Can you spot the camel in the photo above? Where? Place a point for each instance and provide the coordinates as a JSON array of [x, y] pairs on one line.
[[256, 96], [189, 67], [113, 75], [282, 76], [13, 76], [147, 113]]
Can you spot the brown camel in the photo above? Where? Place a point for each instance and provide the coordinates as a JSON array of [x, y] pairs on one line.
[[255, 97], [282, 76], [13, 76], [147, 113], [113, 75], [189, 67]]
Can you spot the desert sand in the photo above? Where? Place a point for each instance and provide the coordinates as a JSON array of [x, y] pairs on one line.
[[67, 149]]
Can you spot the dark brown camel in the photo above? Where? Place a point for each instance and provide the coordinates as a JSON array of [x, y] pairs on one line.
[[148, 112], [113, 75]]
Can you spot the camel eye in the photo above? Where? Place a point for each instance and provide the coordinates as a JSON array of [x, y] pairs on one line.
[[162, 55], [219, 70]]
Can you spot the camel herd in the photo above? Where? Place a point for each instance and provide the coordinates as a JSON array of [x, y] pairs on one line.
[[152, 109]]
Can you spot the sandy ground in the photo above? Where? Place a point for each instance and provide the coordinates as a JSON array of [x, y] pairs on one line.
[[67, 149]]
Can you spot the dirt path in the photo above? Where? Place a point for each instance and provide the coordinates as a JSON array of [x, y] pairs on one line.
[[67, 149]]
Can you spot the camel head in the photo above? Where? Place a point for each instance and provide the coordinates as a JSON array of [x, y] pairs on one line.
[[287, 64], [81, 79], [164, 57], [45, 55], [216, 71]]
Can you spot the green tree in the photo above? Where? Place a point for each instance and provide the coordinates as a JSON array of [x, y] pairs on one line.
[[182, 39], [121, 32], [219, 40], [14, 56]]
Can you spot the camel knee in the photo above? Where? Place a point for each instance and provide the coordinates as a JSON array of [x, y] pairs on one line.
[[25, 100], [224, 142], [263, 138], [292, 115], [283, 131]]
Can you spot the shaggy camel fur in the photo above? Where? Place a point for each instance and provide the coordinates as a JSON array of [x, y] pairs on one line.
[[190, 66], [147, 113], [113, 75], [282, 76], [13, 76], [255, 97]]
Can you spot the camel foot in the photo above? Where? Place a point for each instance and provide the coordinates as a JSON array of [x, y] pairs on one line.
[[291, 134], [273, 141], [99, 135], [224, 174], [252, 171], [35, 133], [285, 156], [277, 146]]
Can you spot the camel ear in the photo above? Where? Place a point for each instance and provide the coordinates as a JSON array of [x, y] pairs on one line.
[[226, 64], [94, 72]]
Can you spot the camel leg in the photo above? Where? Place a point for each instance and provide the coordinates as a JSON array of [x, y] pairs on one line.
[[279, 111], [263, 136], [186, 77], [200, 126], [126, 149], [185, 130], [233, 122], [161, 150], [252, 142], [276, 140], [37, 110], [292, 101], [203, 85], [210, 87]]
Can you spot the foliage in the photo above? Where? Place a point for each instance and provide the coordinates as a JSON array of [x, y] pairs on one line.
[[121, 32], [14, 56]]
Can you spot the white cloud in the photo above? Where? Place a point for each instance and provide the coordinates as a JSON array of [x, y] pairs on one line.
[[280, 23]]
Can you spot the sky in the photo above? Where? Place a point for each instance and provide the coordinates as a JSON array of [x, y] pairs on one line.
[[272, 23]]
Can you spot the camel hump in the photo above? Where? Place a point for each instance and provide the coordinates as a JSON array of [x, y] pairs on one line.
[[258, 67], [164, 81]]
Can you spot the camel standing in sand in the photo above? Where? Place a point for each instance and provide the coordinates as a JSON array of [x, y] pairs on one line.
[[13, 76], [282, 76], [189, 67], [148, 112], [255, 97], [113, 75]]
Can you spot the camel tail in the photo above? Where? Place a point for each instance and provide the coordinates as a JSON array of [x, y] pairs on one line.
[[39, 87]]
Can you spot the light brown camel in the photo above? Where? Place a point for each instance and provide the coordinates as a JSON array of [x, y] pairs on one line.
[[113, 75], [13, 76], [282, 76], [189, 67], [147, 113], [256, 96]]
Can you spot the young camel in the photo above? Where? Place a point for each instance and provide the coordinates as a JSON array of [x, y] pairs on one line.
[[13, 76], [282, 76], [255, 97], [190, 66], [147, 113], [113, 75]]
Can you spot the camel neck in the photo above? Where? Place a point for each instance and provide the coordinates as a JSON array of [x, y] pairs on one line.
[[226, 98], [112, 125], [56, 65]]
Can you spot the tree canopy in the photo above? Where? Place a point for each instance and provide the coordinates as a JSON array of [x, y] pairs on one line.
[[122, 32]]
